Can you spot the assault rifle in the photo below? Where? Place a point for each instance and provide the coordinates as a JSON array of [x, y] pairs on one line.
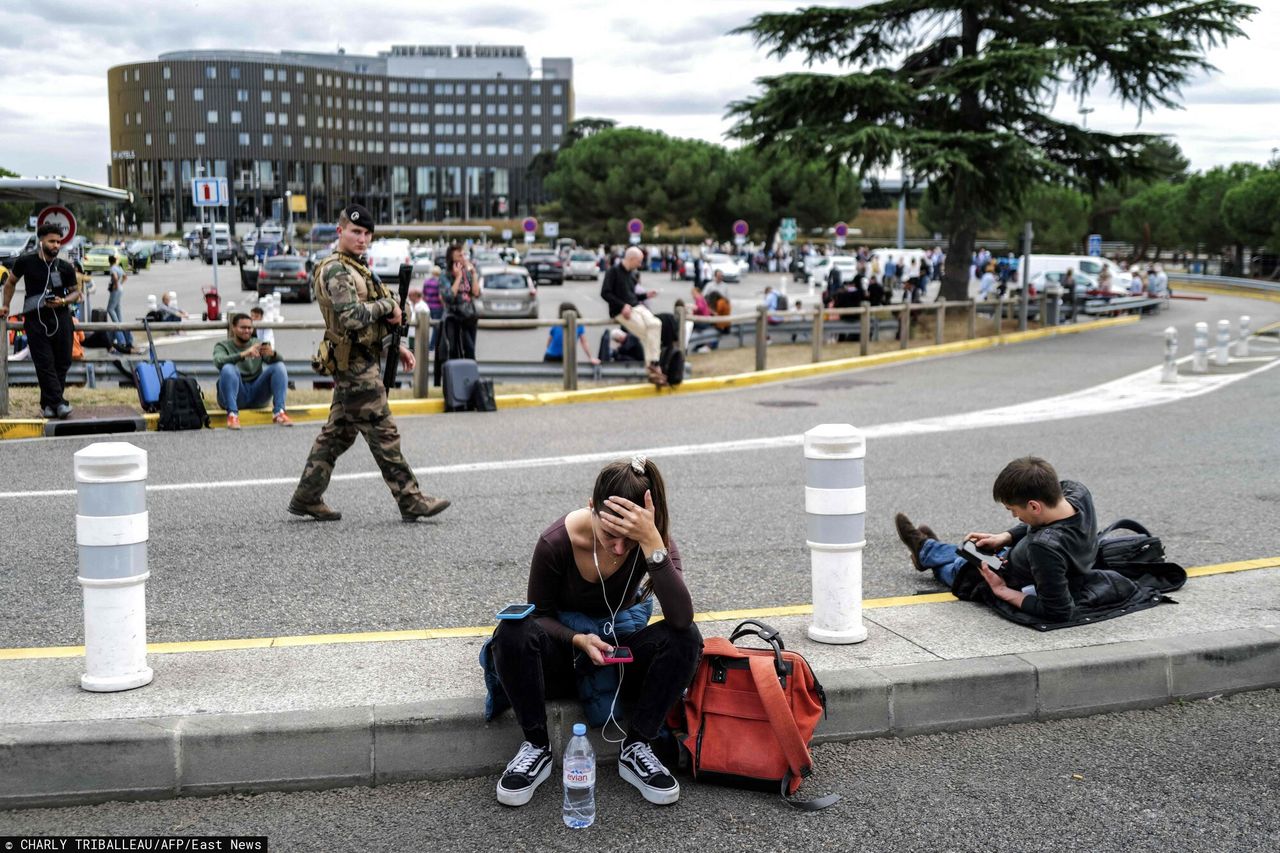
[[397, 332]]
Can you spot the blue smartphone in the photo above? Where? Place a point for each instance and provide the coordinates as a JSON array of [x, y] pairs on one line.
[[515, 611]]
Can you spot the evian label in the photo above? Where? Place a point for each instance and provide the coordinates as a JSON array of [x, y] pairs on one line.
[[579, 777]]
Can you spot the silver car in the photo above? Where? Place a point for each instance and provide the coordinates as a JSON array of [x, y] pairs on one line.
[[507, 292]]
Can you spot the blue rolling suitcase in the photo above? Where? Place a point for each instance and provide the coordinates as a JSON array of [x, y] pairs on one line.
[[150, 375]]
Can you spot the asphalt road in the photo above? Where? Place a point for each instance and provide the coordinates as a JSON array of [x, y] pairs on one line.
[[1196, 777], [230, 562]]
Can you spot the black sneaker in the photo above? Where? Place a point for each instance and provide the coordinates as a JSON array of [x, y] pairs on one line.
[[529, 769], [639, 766]]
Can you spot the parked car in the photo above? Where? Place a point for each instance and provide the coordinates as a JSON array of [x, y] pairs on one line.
[[544, 264], [229, 252], [724, 263], [386, 256], [487, 257], [176, 251], [507, 292], [1053, 279], [820, 269], [268, 246], [583, 265], [322, 234], [15, 243], [286, 275], [98, 259], [142, 252], [510, 255]]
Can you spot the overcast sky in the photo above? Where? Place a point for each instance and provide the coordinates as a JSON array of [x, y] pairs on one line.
[[658, 64]]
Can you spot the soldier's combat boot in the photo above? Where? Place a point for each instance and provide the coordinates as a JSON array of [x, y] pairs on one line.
[[424, 508], [319, 510]]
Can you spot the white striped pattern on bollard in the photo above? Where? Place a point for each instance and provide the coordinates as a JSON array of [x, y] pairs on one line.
[[112, 532], [835, 503], [1242, 343], [1223, 355], [1169, 375], [1200, 358]]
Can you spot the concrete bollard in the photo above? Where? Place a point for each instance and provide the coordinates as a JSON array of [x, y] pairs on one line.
[[1242, 342], [111, 532], [782, 284], [1169, 375], [835, 502], [1223, 355], [1200, 358]]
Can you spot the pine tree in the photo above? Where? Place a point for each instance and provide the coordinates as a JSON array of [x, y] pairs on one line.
[[960, 93]]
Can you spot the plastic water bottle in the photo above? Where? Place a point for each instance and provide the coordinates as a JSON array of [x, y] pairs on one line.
[[579, 780]]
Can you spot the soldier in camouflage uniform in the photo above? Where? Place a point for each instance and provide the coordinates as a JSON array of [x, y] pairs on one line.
[[357, 310]]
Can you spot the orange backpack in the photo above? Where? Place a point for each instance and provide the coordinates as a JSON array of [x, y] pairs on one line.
[[749, 715]]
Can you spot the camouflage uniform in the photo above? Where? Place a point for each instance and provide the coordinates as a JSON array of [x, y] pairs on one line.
[[354, 306]]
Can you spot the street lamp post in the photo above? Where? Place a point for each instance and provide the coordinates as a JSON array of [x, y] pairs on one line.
[[1084, 116]]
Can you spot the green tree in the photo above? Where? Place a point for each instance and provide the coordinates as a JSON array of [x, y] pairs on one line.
[[966, 103], [1204, 195], [764, 187], [1059, 218], [1153, 218], [1251, 210], [614, 175], [13, 214], [544, 162]]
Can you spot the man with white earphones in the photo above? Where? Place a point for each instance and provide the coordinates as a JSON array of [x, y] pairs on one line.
[[51, 288]]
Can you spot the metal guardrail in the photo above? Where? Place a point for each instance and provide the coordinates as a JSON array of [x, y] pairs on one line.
[[1228, 281]]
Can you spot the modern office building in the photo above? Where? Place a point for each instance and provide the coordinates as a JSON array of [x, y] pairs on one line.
[[419, 133]]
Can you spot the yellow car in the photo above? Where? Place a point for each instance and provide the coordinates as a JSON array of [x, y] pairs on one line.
[[98, 258]]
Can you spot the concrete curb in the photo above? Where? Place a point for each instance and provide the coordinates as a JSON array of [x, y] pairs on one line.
[[48, 764], [18, 428]]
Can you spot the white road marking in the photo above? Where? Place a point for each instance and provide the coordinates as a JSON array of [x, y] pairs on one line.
[[1135, 391]]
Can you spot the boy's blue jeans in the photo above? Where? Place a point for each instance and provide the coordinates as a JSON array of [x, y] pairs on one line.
[[942, 559]]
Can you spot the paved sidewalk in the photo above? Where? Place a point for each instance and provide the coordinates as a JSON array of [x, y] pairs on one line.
[[358, 713]]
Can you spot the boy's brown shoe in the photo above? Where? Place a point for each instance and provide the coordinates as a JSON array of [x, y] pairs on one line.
[[913, 537]]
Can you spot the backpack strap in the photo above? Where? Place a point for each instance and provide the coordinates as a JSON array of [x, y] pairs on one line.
[[1125, 524], [799, 761]]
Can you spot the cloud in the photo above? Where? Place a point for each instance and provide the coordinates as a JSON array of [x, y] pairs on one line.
[[654, 103]]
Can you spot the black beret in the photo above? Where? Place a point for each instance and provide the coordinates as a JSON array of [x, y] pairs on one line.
[[358, 214]]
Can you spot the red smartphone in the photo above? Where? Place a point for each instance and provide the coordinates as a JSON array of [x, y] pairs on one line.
[[619, 654]]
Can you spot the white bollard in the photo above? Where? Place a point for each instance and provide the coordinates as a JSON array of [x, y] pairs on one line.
[[1200, 358], [835, 502], [111, 532], [1223, 355], [151, 302], [1169, 375], [1242, 342], [782, 284]]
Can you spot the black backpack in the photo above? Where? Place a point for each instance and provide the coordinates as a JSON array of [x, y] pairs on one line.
[[182, 404], [782, 302], [672, 363], [1125, 542], [101, 338]]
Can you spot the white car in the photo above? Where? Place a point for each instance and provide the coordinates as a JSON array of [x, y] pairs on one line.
[[1053, 278], [386, 256], [820, 269], [583, 265], [726, 264], [177, 250]]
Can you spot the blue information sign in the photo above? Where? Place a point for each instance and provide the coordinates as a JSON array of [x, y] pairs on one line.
[[1095, 245]]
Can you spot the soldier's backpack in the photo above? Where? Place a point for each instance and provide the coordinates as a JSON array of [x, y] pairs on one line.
[[182, 404]]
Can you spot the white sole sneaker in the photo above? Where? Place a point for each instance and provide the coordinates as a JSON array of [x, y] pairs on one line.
[[524, 795], [657, 796]]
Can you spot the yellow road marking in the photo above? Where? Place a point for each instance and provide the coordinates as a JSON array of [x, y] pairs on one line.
[[50, 652]]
